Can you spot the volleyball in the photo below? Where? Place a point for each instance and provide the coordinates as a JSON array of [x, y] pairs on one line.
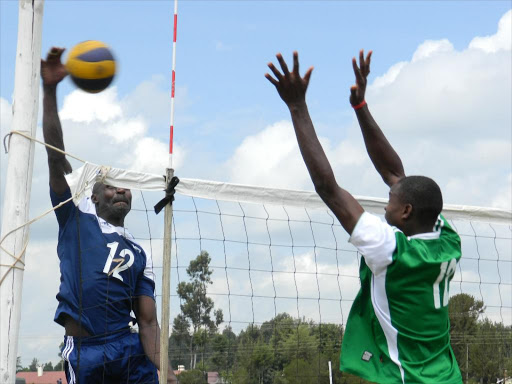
[[91, 66]]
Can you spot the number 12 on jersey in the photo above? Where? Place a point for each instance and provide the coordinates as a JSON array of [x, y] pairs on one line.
[[447, 272], [121, 266]]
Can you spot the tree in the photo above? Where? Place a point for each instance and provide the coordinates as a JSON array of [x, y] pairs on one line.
[[197, 306], [19, 367], [33, 366], [194, 376], [48, 367], [490, 351], [464, 311], [300, 371], [300, 345], [179, 342], [60, 365]]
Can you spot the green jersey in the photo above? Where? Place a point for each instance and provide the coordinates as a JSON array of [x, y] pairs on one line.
[[398, 330]]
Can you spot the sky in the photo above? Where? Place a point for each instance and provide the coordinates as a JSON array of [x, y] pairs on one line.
[[440, 88]]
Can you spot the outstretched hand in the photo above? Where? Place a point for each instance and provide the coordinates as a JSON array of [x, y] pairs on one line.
[[358, 90], [290, 86], [52, 69]]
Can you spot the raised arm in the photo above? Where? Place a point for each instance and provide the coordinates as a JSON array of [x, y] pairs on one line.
[[292, 89], [52, 73], [149, 332], [383, 156]]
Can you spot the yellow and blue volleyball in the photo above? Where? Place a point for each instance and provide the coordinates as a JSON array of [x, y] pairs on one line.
[[91, 66]]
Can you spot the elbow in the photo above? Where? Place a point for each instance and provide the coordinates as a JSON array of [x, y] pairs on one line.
[[58, 164], [326, 188]]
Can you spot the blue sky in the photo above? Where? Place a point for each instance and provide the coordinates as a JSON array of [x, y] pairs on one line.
[[439, 87], [223, 48]]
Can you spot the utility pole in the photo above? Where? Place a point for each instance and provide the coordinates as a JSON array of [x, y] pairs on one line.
[[18, 181], [467, 363]]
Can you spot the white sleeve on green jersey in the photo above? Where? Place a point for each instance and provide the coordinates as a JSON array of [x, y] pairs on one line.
[[375, 240]]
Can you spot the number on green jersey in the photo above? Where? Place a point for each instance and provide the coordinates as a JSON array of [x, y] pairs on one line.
[[447, 271]]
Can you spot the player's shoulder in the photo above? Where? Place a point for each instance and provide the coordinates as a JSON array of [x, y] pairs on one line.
[[86, 206], [370, 228]]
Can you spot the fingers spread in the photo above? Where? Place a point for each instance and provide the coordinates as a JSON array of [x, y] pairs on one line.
[[275, 71], [296, 63], [284, 67], [368, 60], [361, 59], [308, 75], [357, 72], [271, 79]]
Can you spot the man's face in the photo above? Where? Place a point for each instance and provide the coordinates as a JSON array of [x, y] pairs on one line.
[[112, 203], [395, 207]]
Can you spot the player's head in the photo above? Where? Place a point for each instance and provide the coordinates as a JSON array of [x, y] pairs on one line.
[[112, 203], [415, 200]]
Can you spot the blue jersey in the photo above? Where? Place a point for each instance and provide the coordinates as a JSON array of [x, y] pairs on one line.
[[102, 269]]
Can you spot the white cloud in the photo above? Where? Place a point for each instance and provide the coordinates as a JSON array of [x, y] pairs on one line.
[[502, 40], [390, 76], [126, 129], [269, 157], [115, 132], [80, 106], [152, 156], [5, 114], [503, 196], [431, 48]]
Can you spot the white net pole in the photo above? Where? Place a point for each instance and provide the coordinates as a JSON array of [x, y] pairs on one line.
[[18, 185], [166, 264]]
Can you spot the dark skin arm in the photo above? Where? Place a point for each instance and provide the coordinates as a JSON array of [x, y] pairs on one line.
[[383, 156], [149, 332], [292, 89], [52, 73]]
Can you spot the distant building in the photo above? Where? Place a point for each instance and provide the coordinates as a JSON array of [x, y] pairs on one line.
[[46, 377], [214, 378]]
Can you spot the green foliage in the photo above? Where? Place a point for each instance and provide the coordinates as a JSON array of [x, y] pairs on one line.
[[194, 376], [196, 305], [301, 371], [19, 367], [300, 344], [48, 367], [483, 346], [196, 311], [61, 345], [59, 366], [490, 353], [33, 366]]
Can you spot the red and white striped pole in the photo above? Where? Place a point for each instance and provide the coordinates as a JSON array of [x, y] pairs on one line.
[[173, 86], [166, 260]]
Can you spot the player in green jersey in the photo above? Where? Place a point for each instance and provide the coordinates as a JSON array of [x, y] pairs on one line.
[[398, 329]]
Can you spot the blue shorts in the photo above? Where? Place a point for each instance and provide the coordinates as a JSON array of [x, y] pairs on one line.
[[117, 358]]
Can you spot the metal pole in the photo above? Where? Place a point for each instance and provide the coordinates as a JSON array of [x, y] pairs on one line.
[[467, 363], [166, 287], [330, 373], [19, 180]]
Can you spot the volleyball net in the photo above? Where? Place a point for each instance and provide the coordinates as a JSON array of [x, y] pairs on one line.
[[262, 280]]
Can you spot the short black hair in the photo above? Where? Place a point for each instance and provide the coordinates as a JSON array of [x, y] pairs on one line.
[[97, 187], [424, 195]]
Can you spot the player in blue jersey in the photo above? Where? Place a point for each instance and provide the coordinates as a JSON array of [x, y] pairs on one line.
[[105, 274], [398, 330]]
